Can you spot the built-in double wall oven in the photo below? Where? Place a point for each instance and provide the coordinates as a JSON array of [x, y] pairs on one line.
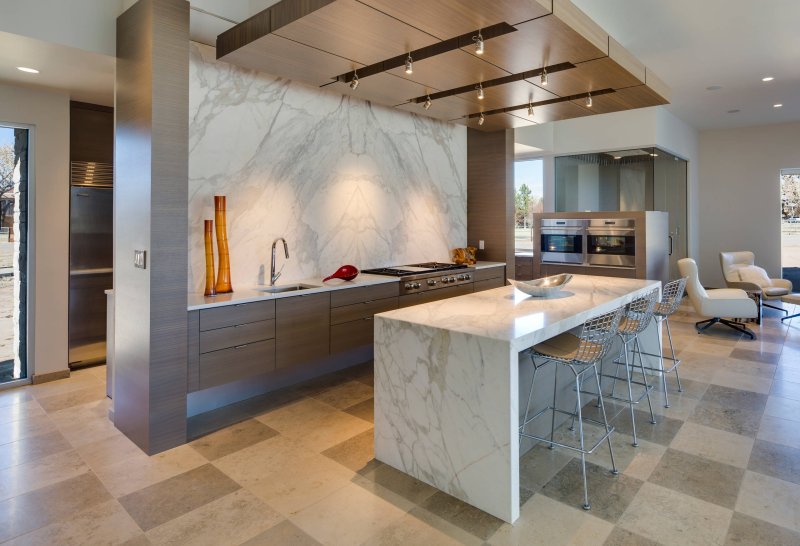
[[600, 242]]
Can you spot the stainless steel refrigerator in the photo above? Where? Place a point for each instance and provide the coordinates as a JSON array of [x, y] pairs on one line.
[[90, 268]]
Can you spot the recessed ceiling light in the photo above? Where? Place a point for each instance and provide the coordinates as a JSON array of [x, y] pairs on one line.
[[713, 88], [617, 157], [28, 70], [779, 105], [734, 111], [767, 79]]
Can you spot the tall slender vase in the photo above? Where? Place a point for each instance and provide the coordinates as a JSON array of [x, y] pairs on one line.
[[209, 238], [224, 272]]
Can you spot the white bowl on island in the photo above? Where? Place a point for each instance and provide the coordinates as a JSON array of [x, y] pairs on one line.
[[544, 287]]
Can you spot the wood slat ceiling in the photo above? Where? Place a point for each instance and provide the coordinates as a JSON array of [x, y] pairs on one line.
[[315, 40]]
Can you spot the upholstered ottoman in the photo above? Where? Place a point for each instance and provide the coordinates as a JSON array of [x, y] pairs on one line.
[[794, 299]]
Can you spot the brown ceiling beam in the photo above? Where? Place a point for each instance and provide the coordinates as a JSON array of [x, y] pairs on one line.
[[495, 82], [569, 98], [432, 50]]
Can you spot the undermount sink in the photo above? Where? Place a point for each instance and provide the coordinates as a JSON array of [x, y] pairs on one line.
[[286, 288]]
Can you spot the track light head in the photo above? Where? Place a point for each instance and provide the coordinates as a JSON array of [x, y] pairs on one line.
[[480, 91], [589, 100], [409, 64], [354, 81], [530, 109], [478, 43], [543, 79], [482, 119], [427, 104]]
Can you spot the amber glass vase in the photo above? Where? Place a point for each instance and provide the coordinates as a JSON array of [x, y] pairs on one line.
[[224, 273], [211, 289]]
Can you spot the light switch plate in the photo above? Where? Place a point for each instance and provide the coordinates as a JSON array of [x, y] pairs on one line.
[[140, 259], [481, 245]]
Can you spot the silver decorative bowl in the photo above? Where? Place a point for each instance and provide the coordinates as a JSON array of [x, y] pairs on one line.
[[543, 287]]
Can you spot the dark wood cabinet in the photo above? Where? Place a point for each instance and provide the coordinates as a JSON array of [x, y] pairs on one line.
[[352, 312], [435, 295], [489, 284], [231, 315], [302, 329], [238, 362]]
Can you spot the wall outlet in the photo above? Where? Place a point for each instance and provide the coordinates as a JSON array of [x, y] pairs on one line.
[[140, 259], [481, 245]]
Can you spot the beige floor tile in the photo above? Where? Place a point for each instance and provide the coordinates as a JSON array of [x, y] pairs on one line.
[[670, 517], [784, 408], [74, 383], [770, 499], [287, 476], [410, 529], [64, 400], [25, 428], [11, 397], [364, 410], [345, 394], [25, 513], [23, 478], [745, 530], [748, 367], [565, 525], [32, 448], [233, 438], [680, 407], [357, 453], [140, 471], [349, 515], [103, 524], [780, 431], [742, 381], [285, 532], [109, 451], [398, 483], [645, 459], [85, 423], [167, 500], [295, 416], [20, 412], [232, 519], [715, 444], [329, 430]]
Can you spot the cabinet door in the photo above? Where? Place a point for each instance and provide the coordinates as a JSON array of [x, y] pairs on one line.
[[302, 329], [489, 284]]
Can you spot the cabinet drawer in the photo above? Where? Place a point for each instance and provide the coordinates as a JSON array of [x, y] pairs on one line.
[[489, 273], [358, 311], [350, 296], [236, 363], [231, 315], [350, 335], [436, 295], [488, 285], [222, 338]]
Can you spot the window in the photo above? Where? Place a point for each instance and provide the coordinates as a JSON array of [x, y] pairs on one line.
[[528, 199]]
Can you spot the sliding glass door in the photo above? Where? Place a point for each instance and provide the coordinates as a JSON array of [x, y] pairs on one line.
[[14, 142]]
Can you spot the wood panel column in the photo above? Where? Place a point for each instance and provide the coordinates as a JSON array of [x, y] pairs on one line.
[[490, 195], [150, 214]]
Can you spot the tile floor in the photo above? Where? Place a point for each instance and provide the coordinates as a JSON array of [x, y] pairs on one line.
[[722, 466]]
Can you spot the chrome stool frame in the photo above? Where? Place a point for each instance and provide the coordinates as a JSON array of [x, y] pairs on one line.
[[670, 301], [636, 318], [589, 348]]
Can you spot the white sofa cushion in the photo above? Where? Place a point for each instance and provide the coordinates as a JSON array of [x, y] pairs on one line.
[[755, 275]]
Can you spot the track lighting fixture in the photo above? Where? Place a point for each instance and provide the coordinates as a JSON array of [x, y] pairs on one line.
[[478, 43], [409, 64], [427, 104], [589, 100], [480, 91], [354, 81], [543, 80], [481, 119], [530, 109]]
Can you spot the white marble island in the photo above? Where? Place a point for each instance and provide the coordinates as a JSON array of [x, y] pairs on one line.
[[447, 383]]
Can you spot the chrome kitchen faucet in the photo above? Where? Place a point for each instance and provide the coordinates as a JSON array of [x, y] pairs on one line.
[[272, 275]]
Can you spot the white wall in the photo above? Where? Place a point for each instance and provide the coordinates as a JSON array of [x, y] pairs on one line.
[[342, 180], [48, 217], [739, 194], [83, 24]]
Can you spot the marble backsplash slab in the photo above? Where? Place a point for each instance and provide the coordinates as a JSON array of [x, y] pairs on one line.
[[343, 180]]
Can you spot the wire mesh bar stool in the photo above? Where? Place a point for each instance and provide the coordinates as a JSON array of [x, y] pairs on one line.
[[671, 297], [635, 319], [580, 355]]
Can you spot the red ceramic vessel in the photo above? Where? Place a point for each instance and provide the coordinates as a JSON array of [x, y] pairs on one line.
[[346, 273]]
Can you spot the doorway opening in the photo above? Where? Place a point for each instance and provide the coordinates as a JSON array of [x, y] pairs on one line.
[[790, 225], [13, 253]]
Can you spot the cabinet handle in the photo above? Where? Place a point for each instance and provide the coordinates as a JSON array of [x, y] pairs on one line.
[[240, 346], [367, 318], [366, 302]]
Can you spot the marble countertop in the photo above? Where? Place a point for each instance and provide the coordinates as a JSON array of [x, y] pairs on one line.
[[196, 300], [507, 314]]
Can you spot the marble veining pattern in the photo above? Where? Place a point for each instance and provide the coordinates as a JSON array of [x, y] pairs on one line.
[[344, 181]]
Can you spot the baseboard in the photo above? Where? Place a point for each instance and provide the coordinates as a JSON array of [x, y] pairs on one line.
[[47, 377]]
